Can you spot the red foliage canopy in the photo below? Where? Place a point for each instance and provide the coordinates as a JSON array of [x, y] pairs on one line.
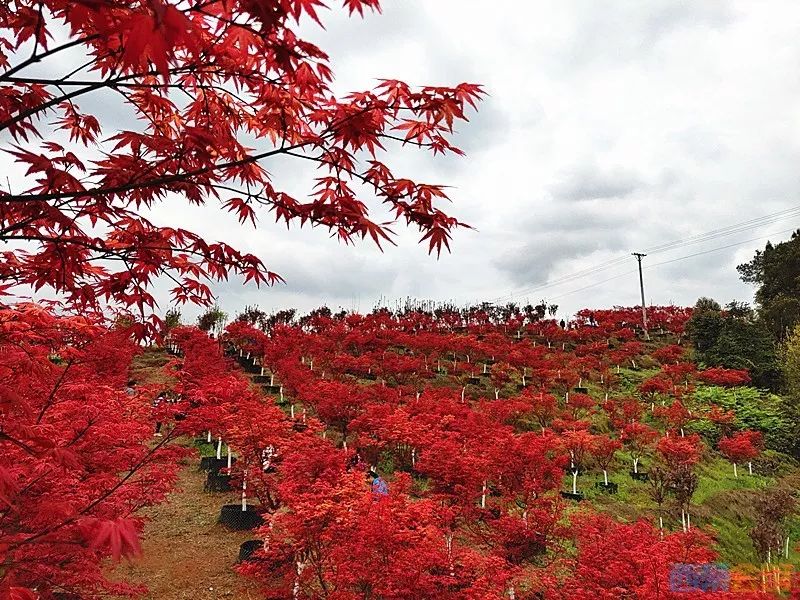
[[202, 82]]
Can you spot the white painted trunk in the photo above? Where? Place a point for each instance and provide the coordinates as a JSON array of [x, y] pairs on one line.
[[219, 448], [750, 468], [448, 540], [299, 566], [483, 496], [786, 548], [272, 379], [463, 389], [735, 472], [496, 393], [605, 476], [291, 411], [574, 482], [229, 458], [635, 465], [244, 492], [682, 435]]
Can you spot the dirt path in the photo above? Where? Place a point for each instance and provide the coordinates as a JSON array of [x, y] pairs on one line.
[[185, 553]]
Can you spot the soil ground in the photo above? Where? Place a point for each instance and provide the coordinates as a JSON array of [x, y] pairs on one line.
[[185, 553]]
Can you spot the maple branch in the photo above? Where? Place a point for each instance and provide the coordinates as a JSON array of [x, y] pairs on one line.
[[52, 395], [18, 443], [34, 59], [131, 472], [167, 179]]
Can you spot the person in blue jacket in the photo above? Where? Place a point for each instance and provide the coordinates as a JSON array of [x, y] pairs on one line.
[[378, 485]]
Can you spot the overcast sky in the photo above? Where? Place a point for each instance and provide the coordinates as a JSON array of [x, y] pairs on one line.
[[611, 127]]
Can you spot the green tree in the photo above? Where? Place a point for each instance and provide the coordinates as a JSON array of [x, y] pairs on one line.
[[790, 363], [172, 318], [213, 320], [776, 272], [734, 338], [705, 325]]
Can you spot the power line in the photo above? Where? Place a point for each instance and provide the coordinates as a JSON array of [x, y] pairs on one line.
[[626, 273], [675, 244]]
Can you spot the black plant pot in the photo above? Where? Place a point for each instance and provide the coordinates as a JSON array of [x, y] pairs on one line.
[[299, 426], [272, 389], [610, 487], [214, 464], [233, 517], [474, 381], [640, 476], [218, 482], [582, 390], [570, 496], [206, 463], [261, 379], [248, 548], [369, 377]]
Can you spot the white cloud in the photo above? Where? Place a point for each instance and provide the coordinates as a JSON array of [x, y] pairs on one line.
[[610, 127]]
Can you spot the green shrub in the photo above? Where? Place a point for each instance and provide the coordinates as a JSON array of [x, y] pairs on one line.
[[755, 409]]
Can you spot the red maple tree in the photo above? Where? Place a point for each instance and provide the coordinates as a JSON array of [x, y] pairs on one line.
[[215, 90]]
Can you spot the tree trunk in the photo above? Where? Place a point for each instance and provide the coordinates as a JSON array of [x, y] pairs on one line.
[[244, 492], [735, 472], [575, 482], [605, 476]]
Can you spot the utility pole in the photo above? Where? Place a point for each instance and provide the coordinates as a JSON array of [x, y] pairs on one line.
[[639, 256]]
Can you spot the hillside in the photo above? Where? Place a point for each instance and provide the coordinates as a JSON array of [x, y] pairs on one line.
[[481, 429]]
